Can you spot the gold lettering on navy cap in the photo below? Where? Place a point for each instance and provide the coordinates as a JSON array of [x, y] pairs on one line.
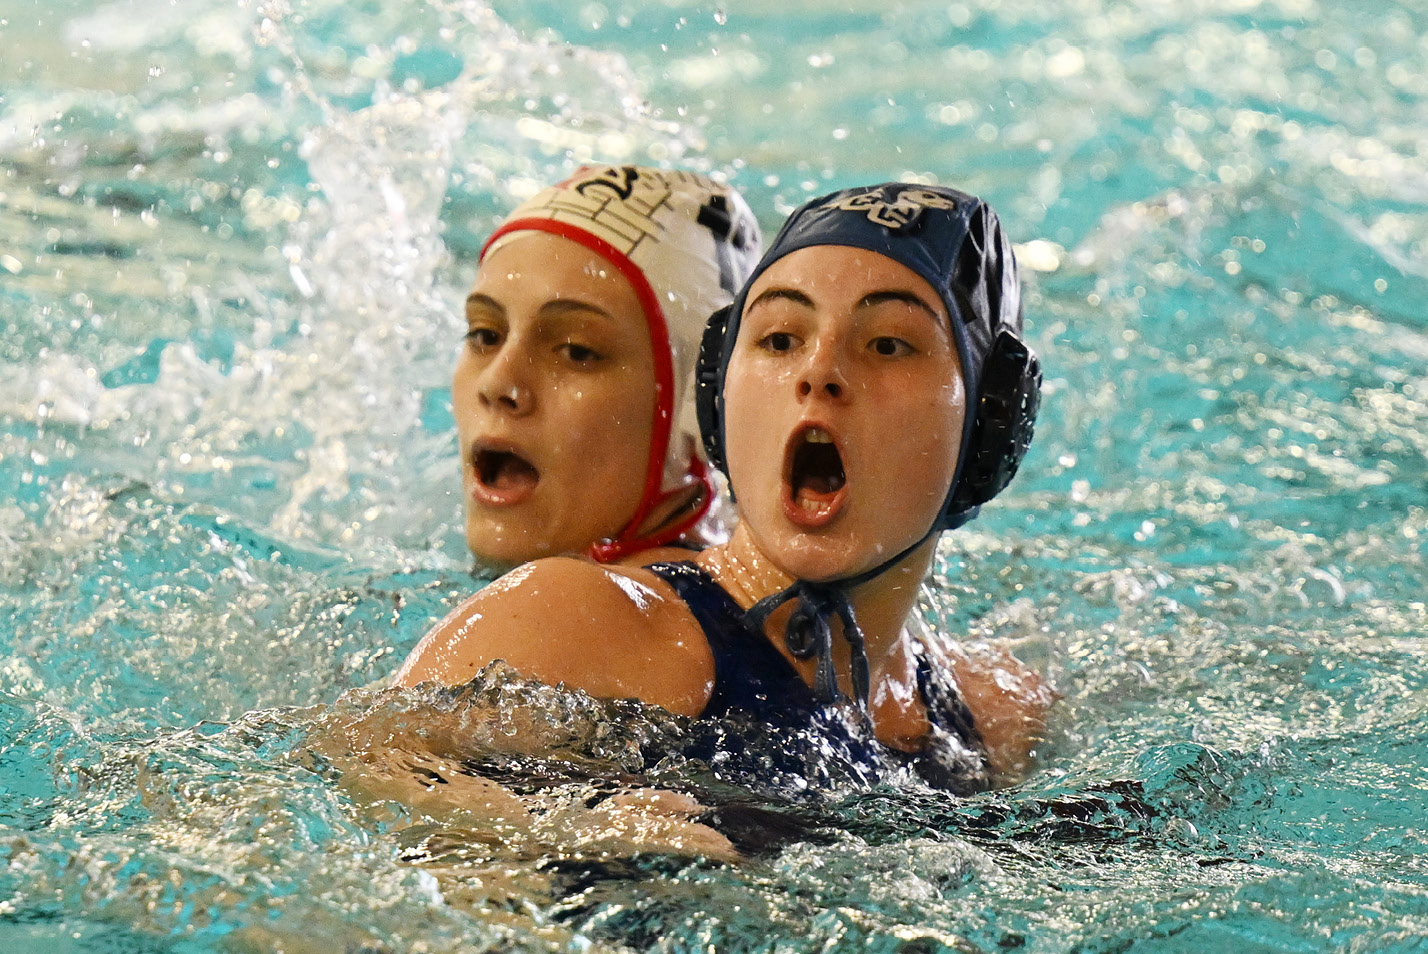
[[899, 213]]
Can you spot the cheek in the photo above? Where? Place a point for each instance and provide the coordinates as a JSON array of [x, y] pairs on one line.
[[609, 427], [918, 422], [940, 427], [953, 419], [745, 426], [621, 405], [463, 395]]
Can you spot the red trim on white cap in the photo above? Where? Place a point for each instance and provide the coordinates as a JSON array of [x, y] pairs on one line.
[[628, 540]]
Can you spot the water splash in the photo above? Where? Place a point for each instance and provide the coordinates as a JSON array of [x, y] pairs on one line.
[[233, 243]]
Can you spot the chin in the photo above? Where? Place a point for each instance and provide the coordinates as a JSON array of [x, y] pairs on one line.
[[502, 548], [497, 557], [818, 560]]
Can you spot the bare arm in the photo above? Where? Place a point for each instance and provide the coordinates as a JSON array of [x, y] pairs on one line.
[[616, 633]]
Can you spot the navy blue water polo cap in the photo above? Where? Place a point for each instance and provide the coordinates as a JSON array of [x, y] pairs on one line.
[[955, 242]]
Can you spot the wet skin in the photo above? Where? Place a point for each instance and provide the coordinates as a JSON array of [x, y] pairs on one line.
[[843, 396], [554, 400]]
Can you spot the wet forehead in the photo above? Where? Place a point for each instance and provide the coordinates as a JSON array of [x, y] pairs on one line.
[[839, 275], [531, 254], [554, 276]]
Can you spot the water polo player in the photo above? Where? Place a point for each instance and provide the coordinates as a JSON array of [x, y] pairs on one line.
[[867, 390], [573, 393]]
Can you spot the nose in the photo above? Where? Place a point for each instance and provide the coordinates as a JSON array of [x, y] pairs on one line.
[[822, 375], [502, 385]]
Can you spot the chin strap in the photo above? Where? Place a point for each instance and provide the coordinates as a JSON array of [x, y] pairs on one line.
[[630, 542], [809, 632]]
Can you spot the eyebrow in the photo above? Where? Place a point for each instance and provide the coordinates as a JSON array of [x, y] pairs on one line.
[[780, 294], [870, 300], [478, 300], [905, 297], [558, 308]]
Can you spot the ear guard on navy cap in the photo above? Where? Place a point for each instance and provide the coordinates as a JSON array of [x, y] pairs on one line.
[[1002, 430]]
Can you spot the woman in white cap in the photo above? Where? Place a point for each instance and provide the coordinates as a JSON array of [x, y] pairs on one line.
[[573, 393]]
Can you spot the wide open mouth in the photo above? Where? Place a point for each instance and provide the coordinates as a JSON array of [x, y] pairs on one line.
[[817, 466], [815, 475], [504, 473]]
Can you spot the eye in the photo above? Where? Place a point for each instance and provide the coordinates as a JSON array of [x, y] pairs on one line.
[[889, 347], [579, 353], [777, 341], [483, 339]]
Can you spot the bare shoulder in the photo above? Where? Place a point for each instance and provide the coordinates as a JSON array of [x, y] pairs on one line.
[[615, 632], [1008, 699], [665, 554]]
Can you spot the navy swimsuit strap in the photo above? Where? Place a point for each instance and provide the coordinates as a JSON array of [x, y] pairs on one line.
[[753, 677], [946, 708], [749, 673]]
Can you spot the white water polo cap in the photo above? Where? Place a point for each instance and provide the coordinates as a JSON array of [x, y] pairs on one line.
[[686, 244]]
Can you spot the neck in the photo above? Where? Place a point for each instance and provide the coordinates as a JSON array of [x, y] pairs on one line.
[[678, 505], [676, 515], [882, 604]]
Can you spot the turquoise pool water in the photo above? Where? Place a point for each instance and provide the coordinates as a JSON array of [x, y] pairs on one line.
[[233, 239]]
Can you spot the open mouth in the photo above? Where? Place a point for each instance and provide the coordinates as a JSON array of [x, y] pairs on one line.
[[815, 477], [503, 476]]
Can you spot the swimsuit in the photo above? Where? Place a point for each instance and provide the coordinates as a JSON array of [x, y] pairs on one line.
[[752, 678]]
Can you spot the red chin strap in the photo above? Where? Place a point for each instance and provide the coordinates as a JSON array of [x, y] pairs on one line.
[[628, 541]]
